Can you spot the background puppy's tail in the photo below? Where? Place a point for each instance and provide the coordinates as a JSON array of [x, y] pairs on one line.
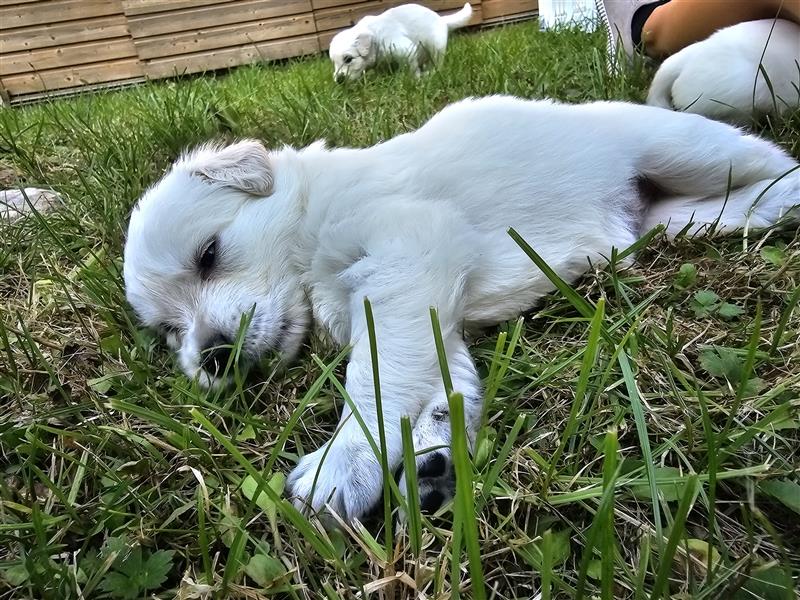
[[660, 93], [714, 178], [459, 19]]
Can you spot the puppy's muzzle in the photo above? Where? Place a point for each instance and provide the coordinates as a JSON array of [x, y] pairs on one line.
[[216, 355], [338, 77]]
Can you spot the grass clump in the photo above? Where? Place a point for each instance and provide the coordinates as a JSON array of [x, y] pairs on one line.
[[642, 429]]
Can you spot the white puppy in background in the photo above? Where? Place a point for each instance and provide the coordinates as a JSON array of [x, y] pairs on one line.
[[722, 77], [410, 33], [421, 220]]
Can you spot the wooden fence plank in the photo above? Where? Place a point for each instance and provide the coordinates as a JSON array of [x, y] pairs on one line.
[[495, 9], [64, 56], [54, 79], [145, 7], [231, 57], [347, 16], [449, 6], [57, 11], [432, 4], [63, 33], [325, 37], [320, 4], [198, 18], [227, 36], [14, 2], [341, 17]]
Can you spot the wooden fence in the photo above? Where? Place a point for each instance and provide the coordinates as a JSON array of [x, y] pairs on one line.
[[49, 47]]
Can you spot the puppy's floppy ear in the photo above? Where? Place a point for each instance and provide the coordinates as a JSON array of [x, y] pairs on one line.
[[244, 166], [364, 44]]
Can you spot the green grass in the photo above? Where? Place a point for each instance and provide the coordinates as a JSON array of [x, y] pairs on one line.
[[642, 435]]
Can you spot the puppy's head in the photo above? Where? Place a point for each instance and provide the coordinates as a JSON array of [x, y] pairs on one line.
[[352, 53], [209, 247]]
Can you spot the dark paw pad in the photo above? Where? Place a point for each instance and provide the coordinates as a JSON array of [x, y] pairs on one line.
[[431, 501], [434, 466], [436, 478]]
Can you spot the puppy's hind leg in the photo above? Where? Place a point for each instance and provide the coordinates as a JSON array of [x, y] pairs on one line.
[[712, 173], [431, 55], [691, 155], [432, 433], [410, 53], [417, 60], [437, 48]]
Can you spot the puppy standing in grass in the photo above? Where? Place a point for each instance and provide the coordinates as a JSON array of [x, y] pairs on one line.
[[421, 220], [411, 33]]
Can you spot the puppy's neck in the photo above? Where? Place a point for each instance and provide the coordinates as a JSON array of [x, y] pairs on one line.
[[329, 186], [321, 178], [291, 182], [314, 186]]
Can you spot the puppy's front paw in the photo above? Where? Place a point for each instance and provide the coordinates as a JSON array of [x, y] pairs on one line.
[[346, 477]]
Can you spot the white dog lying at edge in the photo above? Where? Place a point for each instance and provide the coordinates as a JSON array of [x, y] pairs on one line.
[[410, 32], [721, 77], [421, 220]]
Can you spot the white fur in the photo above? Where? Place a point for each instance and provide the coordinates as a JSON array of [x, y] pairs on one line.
[[411, 33], [721, 77], [418, 221]]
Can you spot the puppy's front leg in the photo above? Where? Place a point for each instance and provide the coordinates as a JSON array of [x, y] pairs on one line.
[[346, 473]]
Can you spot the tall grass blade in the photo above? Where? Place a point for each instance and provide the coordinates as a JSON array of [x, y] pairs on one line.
[[547, 564], [464, 501], [441, 353], [644, 440], [413, 510], [387, 474], [786, 314], [607, 544], [677, 533], [744, 377], [589, 360], [577, 301], [603, 518]]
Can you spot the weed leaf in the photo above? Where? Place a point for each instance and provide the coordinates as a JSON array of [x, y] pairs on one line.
[[783, 490]]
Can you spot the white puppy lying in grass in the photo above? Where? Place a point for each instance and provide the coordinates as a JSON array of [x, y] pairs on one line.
[[722, 77], [411, 33], [418, 221]]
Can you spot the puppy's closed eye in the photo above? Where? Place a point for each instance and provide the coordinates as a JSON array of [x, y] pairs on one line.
[[168, 328], [172, 335], [208, 258]]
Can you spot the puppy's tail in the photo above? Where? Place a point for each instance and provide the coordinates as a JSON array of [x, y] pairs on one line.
[[459, 19], [660, 93], [714, 178]]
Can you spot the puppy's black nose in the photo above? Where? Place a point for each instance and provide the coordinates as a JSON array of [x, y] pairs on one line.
[[216, 355], [339, 78]]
